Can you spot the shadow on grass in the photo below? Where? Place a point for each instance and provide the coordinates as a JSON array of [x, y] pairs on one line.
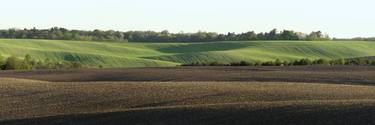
[[204, 47]]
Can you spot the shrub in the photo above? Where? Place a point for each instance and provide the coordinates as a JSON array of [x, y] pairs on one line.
[[373, 62], [1, 62], [278, 62], [301, 62], [321, 62], [269, 63], [12, 63], [242, 63], [28, 63], [338, 62]]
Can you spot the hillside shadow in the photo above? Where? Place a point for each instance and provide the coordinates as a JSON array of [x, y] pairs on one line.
[[204, 47], [287, 115], [156, 104]]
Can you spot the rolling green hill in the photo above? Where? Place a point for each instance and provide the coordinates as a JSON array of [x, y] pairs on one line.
[[119, 54]]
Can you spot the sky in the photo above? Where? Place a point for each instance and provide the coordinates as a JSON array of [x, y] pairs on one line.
[[338, 18]]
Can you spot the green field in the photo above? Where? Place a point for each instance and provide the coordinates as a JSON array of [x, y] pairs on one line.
[[118, 54]]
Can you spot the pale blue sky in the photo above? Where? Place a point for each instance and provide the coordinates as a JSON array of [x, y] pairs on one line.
[[339, 18]]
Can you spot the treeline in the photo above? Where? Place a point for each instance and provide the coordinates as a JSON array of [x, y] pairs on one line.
[[152, 36], [165, 36], [357, 39], [29, 63], [301, 62], [63, 34]]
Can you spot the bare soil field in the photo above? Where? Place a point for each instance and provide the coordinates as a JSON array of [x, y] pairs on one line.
[[27, 102], [190, 96], [309, 74]]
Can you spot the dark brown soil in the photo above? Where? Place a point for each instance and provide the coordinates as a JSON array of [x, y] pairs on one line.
[[29, 102], [311, 74], [245, 115]]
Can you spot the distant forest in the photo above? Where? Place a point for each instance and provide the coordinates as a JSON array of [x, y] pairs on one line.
[[57, 33]]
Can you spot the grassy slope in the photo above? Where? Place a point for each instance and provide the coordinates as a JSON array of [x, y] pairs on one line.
[[183, 103], [112, 54], [90, 53], [267, 50]]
